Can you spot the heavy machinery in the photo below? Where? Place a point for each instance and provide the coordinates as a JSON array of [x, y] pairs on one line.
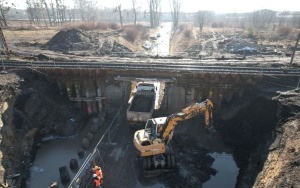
[[142, 104], [152, 143]]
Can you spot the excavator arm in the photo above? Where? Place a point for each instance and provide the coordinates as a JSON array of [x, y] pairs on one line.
[[151, 143], [187, 113]]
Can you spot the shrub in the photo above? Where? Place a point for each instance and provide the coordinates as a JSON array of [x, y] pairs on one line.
[[131, 34], [182, 27], [284, 31], [214, 25], [113, 26], [188, 33], [87, 25], [25, 27], [250, 32], [145, 35]]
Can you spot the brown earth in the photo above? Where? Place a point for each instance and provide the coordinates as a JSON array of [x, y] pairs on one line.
[[263, 135], [265, 142], [55, 43], [30, 109], [232, 43]]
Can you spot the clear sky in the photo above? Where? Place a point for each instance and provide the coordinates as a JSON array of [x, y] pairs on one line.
[[220, 6]]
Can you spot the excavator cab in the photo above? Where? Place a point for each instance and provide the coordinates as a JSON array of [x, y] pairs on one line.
[[155, 126]]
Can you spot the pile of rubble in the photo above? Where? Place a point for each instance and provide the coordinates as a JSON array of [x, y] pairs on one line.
[[242, 46], [71, 40], [113, 48]]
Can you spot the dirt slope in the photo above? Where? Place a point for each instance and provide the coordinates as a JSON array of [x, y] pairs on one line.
[[281, 169], [263, 132], [29, 108]]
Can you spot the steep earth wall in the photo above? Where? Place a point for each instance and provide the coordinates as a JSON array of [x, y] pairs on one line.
[[31, 108]]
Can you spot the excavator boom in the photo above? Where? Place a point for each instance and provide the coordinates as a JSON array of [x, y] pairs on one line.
[[151, 143], [188, 113]]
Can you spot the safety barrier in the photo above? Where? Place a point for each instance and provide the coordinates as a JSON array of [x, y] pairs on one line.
[[83, 178]]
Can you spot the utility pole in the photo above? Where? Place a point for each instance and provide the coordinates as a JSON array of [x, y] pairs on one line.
[[292, 58]]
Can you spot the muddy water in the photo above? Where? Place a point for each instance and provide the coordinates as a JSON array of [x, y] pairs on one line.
[[163, 42], [227, 171], [155, 185], [52, 155]]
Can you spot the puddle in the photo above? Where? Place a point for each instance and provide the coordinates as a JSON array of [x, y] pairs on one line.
[[227, 171], [53, 154], [155, 185], [163, 42]]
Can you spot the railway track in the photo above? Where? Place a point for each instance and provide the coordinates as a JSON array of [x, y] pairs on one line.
[[180, 67]]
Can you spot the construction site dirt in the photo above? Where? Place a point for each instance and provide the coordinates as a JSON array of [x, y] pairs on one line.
[[267, 135], [259, 131]]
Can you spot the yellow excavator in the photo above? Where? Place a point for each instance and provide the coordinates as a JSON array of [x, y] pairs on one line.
[[151, 143]]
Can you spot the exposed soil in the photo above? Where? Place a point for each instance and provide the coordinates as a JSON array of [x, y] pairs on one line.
[[261, 131], [31, 108], [70, 44], [71, 39], [264, 136], [230, 43]]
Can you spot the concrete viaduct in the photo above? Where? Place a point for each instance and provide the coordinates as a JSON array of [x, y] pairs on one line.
[[98, 86]]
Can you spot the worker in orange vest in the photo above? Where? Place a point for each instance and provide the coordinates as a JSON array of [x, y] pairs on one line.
[[98, 171], [97, 181]]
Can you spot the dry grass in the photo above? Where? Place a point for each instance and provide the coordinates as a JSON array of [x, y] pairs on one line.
[[88, 26], [284, 31], [38, 36], [134, 32], [185, 37]]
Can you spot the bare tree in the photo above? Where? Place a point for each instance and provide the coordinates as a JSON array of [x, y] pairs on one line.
[[119, 11], [155, 11], [283, 18], [175, 10], [296, 19], [87, 9], [61, 11], [48, 13], [4, 9], [134, 10], [81, 6], [201, 17], [30, 11], [263, 18], [92, 10], [53, 12]]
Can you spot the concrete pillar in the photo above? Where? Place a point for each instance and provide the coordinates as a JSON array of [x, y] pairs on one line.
[[69, 85], [87, 94], [198, 94], [188, 97], [176, 99], [219, 98], [241, 92], [193, 94], [60, 87], [214, 95], [99, 94], [238, 79], [78, 88], [229, 96]]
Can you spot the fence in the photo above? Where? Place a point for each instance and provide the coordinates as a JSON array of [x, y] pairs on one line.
[[83, 177]]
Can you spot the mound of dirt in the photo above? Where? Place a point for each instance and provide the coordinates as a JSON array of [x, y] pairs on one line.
[[71, 39], [114, 48]]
